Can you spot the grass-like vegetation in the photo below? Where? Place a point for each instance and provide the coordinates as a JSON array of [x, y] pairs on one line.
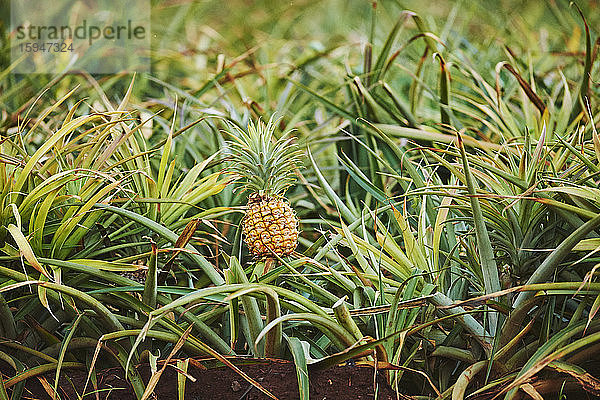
[[449, 200]]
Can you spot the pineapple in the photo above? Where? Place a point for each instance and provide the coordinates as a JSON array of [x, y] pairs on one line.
[[266, 169]]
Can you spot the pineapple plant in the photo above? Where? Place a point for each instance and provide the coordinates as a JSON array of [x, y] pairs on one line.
[[265, 167]]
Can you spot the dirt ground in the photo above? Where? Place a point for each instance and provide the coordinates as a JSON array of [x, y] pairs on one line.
[[279, 377]]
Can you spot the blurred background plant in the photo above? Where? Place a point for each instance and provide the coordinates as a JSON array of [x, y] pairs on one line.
[[449, 201]]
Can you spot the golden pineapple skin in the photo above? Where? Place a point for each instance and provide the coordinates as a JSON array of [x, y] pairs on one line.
[[270, 226]]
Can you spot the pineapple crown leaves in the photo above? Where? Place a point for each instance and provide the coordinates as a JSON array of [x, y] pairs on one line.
[[265, 164]]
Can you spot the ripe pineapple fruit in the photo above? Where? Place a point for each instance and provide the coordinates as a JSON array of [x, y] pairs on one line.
[[266, 168]]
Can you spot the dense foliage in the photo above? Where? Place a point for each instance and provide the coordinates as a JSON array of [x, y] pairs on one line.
[[449, 200]]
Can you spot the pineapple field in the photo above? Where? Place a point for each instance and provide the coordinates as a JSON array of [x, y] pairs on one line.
[[300, 200]]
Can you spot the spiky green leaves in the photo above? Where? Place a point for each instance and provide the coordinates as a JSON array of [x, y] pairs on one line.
[[266, 165]]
